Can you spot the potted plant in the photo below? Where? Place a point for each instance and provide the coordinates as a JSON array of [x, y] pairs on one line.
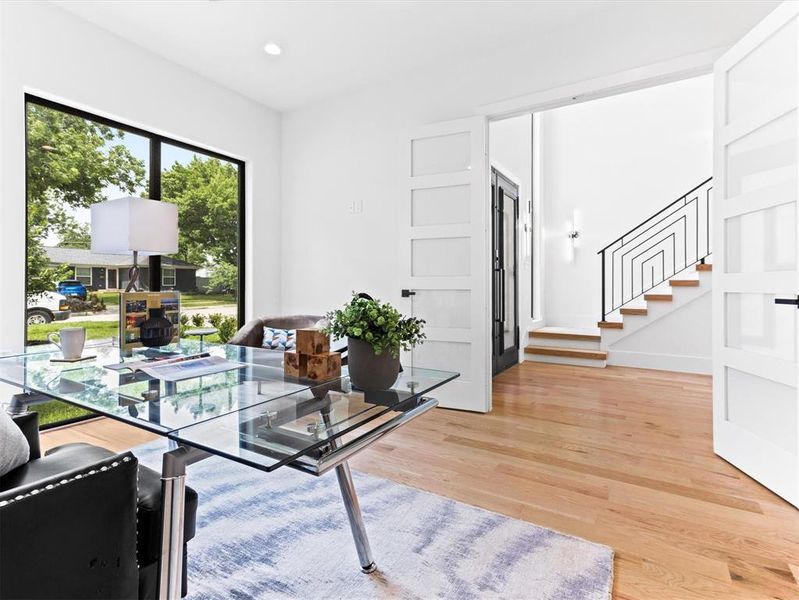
[[375, 333]]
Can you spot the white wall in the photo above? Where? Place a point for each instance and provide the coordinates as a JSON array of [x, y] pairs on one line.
[[46, 50], [616, 161], [354, 146], [679, 341]]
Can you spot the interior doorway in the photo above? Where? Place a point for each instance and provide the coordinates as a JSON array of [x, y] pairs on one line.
[[505, 286]]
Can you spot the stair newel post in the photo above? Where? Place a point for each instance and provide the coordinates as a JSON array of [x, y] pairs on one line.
[[602, 253]]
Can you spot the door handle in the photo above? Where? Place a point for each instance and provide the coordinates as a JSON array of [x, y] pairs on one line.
[[502, 295], [794, 301], [408, 293], [496, 311]]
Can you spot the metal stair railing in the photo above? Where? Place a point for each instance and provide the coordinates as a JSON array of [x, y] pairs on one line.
[[670, 241]]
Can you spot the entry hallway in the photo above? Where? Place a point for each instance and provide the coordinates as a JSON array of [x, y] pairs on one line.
[[619, 456]]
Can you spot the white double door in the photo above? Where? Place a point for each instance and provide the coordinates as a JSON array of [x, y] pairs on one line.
[[755, 283]]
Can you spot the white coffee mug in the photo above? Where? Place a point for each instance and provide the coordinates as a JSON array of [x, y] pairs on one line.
[[71, 341]]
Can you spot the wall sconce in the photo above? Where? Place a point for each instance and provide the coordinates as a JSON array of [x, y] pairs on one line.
[[527, 230], [573, 235]]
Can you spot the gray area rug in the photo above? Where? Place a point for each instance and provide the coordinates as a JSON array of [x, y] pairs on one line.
[[285, 535]]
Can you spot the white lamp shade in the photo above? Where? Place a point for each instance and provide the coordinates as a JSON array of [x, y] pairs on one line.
[[127, 224]]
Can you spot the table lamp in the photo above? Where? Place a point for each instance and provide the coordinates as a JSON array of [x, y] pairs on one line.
[[134, 225]]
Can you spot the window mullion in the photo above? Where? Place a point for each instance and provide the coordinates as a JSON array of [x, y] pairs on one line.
[[155, 194]]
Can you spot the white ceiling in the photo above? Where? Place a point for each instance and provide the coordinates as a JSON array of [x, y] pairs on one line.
[[333, 47]]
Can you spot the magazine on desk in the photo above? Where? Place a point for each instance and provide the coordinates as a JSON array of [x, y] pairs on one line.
[[178, 368]]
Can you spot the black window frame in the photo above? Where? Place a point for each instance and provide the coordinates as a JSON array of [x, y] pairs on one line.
[[156, 141]]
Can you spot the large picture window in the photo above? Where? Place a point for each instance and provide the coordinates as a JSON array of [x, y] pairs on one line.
[[75, 159]]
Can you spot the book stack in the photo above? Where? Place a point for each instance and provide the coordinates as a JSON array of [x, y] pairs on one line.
[[312, 359]]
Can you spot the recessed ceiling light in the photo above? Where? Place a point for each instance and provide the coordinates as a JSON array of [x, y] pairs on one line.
[[272, 49]]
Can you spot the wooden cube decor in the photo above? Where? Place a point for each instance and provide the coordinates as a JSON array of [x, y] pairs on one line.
[[325, 366], [312, 341], [312, 359], [295, 364]]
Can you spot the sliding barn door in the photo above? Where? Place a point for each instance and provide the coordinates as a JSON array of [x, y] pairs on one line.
[[444, 256], [755, 284]]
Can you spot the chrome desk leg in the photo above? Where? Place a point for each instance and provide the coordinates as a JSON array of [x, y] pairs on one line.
[[173, 504], [356, 519], [173, 496]]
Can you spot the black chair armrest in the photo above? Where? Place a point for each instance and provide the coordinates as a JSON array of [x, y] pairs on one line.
[[28, 423], [72, 535]]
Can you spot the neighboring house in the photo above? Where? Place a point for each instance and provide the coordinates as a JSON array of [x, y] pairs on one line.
[[110, 271]]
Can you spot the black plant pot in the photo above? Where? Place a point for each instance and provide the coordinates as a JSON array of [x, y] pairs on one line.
[[370, 372], [156, 330]]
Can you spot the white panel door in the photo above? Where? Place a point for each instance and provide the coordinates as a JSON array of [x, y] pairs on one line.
[[444, 256], [755, 283]]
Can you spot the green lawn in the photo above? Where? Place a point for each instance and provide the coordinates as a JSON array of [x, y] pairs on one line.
[[54, 412], [110, 299], [188, 300], [94, 329]]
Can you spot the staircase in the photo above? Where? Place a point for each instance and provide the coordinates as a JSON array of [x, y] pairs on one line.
[[592, 347], [651, 271], [566, 346]]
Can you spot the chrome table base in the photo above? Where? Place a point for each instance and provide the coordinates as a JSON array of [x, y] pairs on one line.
[[173, 508], [356, 519], [173, 499]]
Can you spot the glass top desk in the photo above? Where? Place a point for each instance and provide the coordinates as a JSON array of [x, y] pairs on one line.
[[254, 415]]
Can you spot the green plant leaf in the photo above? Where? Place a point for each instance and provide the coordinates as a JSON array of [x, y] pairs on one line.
[[378, 323]]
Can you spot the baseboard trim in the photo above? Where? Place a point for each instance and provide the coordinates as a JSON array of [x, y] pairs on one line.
[[662, 362]]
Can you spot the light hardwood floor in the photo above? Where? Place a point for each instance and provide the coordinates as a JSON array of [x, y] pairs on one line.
[[619, 456]]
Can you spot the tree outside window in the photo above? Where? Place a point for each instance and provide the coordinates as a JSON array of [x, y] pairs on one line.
[[71, 163]]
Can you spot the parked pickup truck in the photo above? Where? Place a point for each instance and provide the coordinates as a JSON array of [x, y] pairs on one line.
[[46, 308]]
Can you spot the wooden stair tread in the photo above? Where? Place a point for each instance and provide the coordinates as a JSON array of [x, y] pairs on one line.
[[658, 297], [704, 267], [633, 311], [566, 352], [565, 335], [684, 282], [610, 324]]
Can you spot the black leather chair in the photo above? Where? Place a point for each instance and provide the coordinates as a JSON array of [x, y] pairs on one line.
[[82, 522]]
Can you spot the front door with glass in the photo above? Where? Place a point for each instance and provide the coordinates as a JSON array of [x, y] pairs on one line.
[[505, 317]]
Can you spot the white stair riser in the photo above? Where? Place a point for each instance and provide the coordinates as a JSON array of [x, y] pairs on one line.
[[657, 309], [662, 288], [566, 360], [564, 343]]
